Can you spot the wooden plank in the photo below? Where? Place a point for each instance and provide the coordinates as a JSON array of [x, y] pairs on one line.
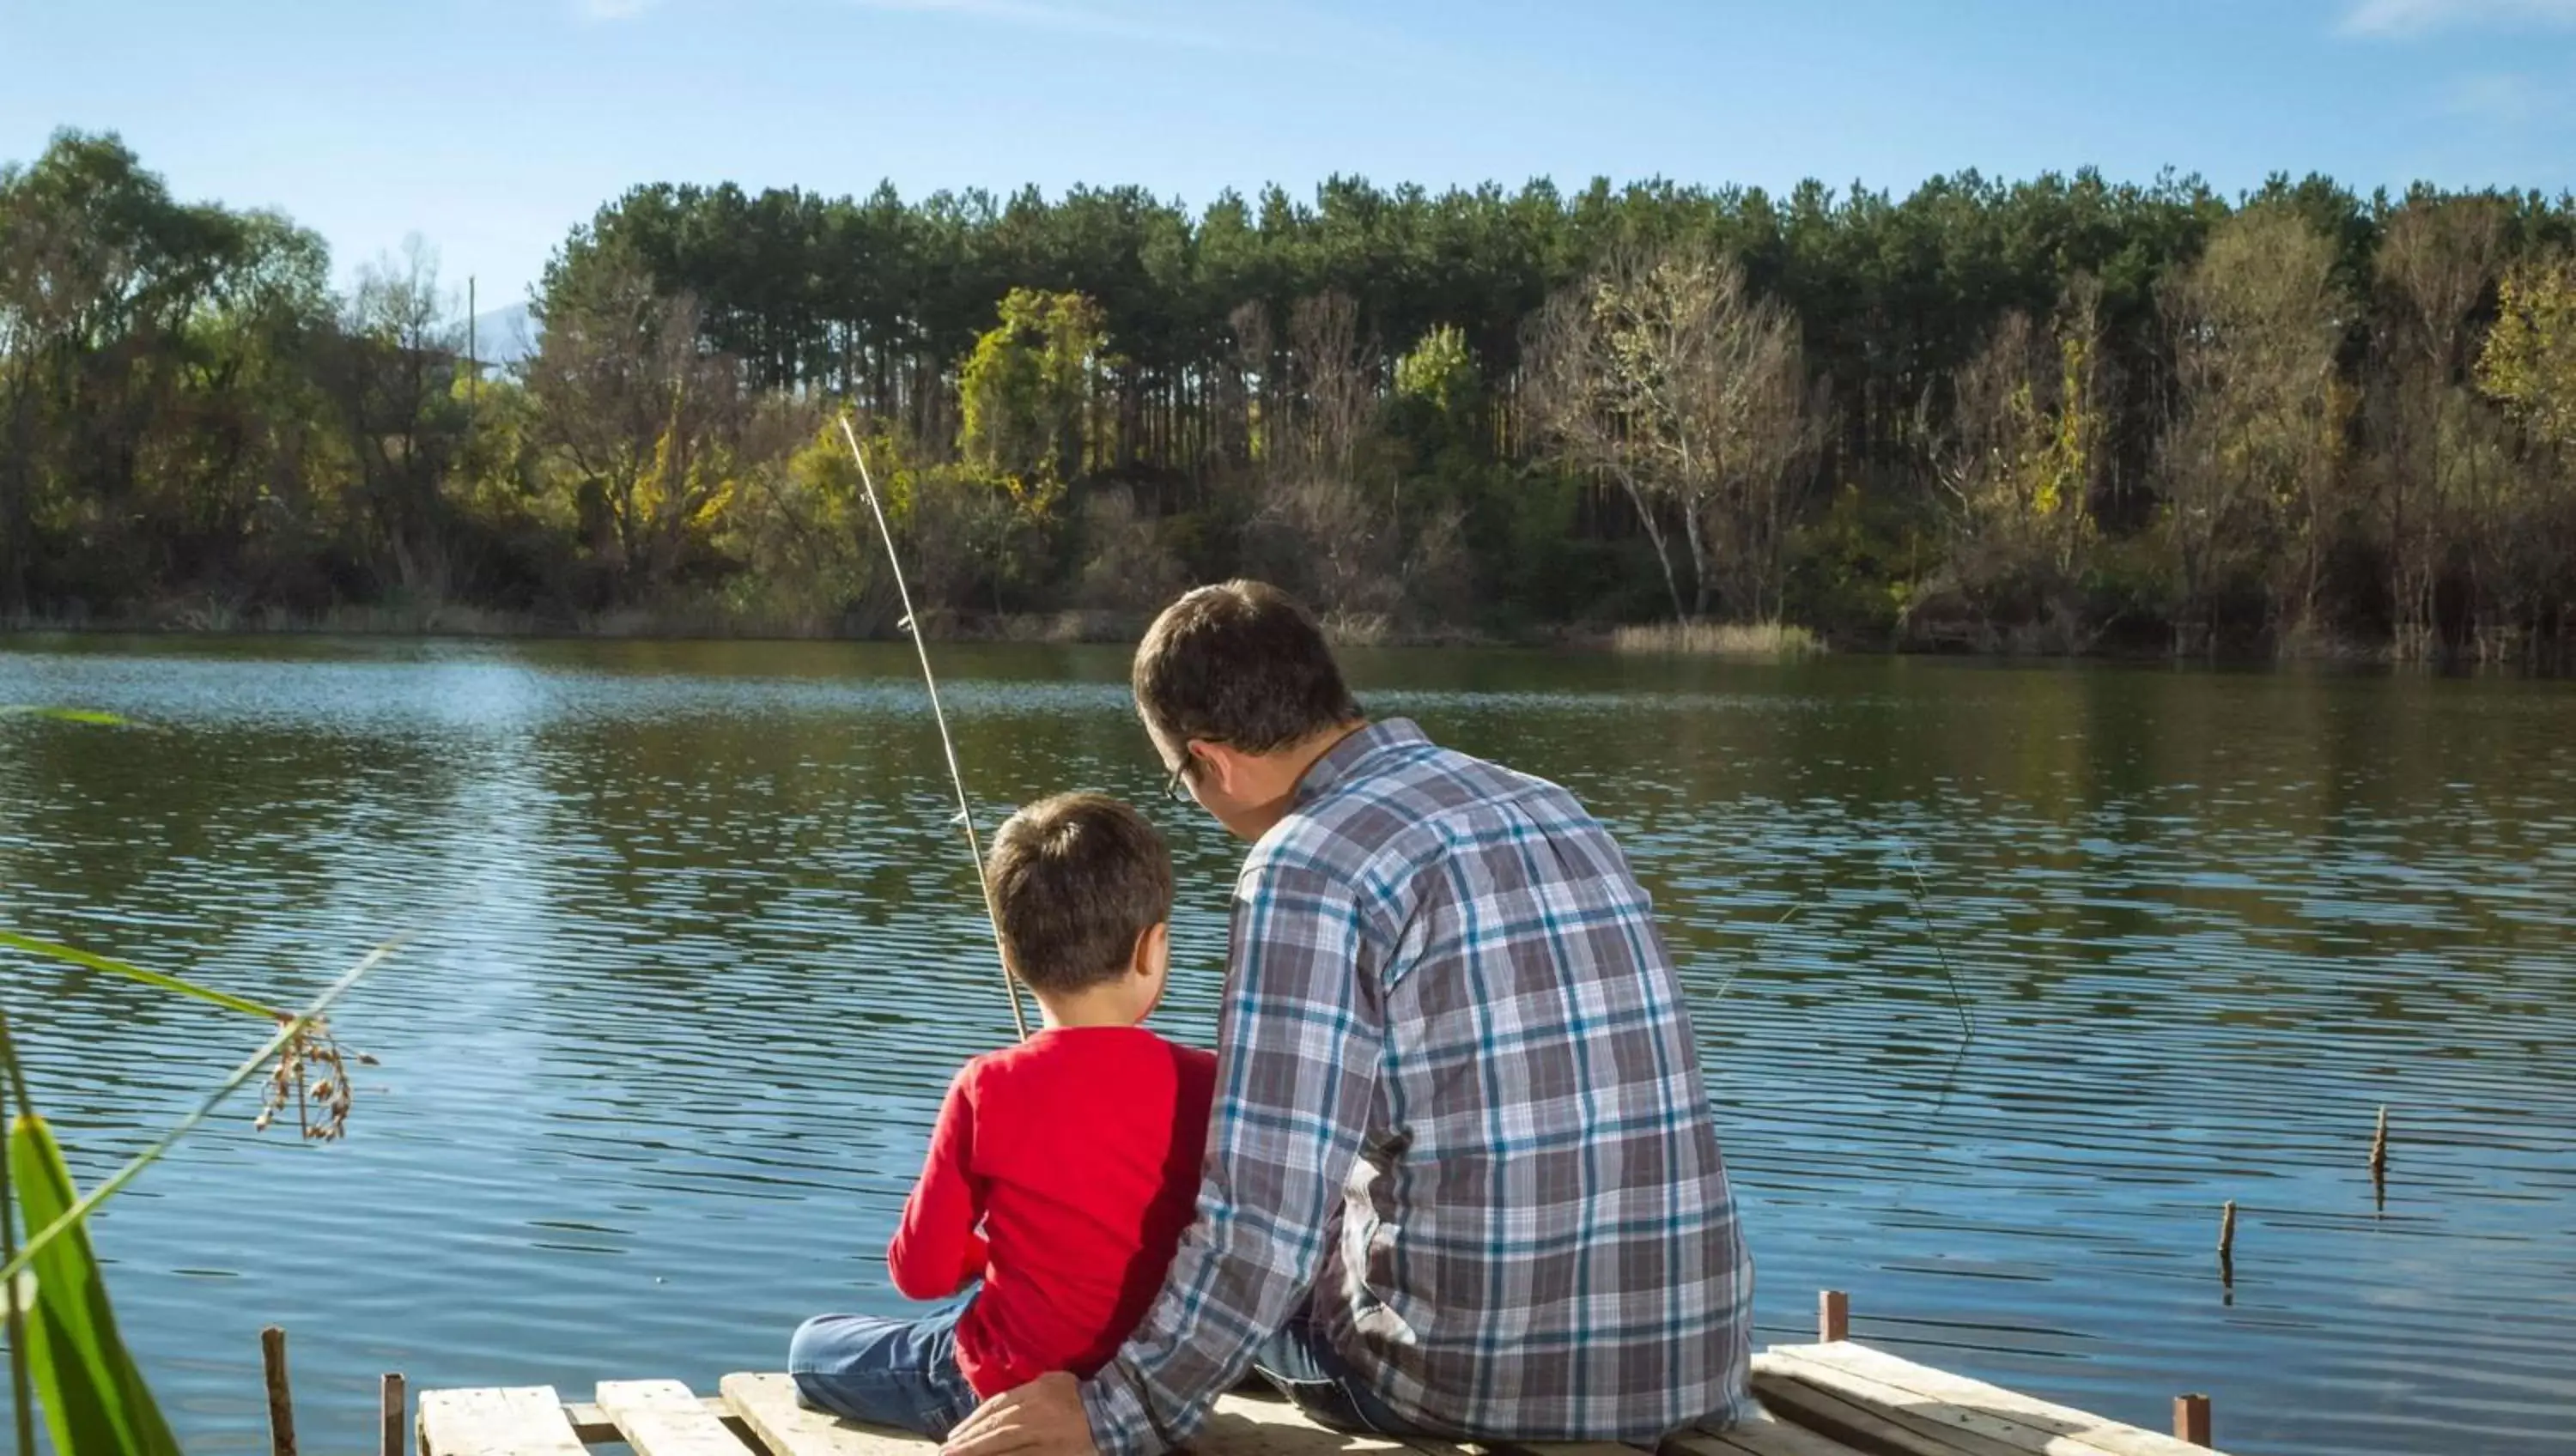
[[768, 1405], [1761, 1434], [594, 1427], [2044, 1418], [1859, 1425], [1553, 1448], [661, 1418], [525, 1420], [1967, 1427], [1242, 1426]]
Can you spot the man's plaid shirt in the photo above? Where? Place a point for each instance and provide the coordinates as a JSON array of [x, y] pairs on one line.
[[1457, 1101]]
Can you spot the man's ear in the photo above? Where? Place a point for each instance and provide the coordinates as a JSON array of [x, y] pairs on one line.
[[1220, 763]]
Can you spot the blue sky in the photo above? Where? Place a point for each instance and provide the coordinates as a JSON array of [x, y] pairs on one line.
[[492, 126]]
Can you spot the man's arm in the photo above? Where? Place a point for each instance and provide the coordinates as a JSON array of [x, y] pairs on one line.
[[1296, 1072], [936, 1249]]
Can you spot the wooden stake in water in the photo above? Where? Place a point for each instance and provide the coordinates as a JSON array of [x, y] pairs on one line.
[[965, 813], [2191, 1419], [281, 1400], [2227, 1249], [391, 1408]]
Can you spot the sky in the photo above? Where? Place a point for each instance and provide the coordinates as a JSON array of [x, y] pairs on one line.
[[490, 128]]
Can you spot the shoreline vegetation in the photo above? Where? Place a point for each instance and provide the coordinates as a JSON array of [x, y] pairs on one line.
[[2058, 417], [1750, 641], [1736, 641]]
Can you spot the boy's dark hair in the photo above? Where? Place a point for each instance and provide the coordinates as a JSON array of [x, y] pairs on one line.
[[1241, 664], [1076, 879]]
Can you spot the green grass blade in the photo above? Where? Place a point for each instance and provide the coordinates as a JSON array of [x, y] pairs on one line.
[[62, 715], [22, 1387], [93, 1395], [44, 1233], [53, 950]]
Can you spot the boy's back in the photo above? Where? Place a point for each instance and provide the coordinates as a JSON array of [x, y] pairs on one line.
[[1075, 1153], [1079, 1150]]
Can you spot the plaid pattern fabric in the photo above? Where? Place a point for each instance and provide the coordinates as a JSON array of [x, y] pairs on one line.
[[1458, 1107]]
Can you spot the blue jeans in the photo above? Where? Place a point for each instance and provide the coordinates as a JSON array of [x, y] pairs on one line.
[[885, 1372], [1303, 1365]]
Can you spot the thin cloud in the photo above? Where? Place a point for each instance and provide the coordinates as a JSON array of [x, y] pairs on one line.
[[616, 9], [1057, 16], [2418, 17], [2497, 97], [2512, 102]]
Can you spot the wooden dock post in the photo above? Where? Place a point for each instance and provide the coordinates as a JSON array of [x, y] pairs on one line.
[[281, 1399], [2227, 1245], [1833, 1315], [2191, 1419], [391, 1410], [2379, 1146]]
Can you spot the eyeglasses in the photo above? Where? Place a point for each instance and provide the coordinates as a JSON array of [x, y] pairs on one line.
[[1172, 786]]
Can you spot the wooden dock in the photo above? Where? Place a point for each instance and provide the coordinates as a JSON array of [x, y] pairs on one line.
[[1832, 1398]]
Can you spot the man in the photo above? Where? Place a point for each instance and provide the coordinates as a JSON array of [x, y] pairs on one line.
[[1460, 1179]]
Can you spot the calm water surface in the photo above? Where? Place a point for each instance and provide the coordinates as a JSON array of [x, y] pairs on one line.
[[695, 958]]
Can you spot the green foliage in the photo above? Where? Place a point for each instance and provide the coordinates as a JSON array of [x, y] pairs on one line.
[[93, 1396], [800, 533], [90, 716], [66, 1356], [158, 980], [1024, 388], [2530, 358], [2281, 396], [2022, 463], [1856, 569], [1441, 374]]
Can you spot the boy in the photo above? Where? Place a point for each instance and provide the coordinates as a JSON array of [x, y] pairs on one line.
[[1062, 1170]]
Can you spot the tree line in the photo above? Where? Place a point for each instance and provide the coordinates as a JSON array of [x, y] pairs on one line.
[[2067, 414]]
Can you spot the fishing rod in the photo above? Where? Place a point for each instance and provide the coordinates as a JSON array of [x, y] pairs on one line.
[[965, 811]]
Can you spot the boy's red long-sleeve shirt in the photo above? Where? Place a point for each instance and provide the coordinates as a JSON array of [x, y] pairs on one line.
[[1077, 1152]]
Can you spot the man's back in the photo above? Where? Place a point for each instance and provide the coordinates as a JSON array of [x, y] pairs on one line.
[[1537, 1239]]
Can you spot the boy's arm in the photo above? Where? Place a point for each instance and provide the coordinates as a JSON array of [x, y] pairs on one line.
[[936, 1249], [1296, 1077]]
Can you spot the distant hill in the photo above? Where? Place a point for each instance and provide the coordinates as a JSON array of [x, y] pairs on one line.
[[504, 336]]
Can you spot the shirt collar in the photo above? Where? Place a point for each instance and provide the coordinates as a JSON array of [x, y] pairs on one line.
[[1342, 762]]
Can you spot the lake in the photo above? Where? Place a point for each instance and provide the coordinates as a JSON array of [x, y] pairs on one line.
[[694, 952]]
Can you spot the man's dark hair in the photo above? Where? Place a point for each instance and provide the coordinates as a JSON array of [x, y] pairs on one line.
[[1076, 879], [1242, 664]]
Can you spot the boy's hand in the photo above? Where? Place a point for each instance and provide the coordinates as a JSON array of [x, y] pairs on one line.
[[1041, 1418]]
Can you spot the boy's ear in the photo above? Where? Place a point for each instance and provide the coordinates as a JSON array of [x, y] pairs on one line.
[[1152, 948]]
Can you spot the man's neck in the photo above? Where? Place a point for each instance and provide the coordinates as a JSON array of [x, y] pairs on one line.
[[1299, 759], [1277, 776]]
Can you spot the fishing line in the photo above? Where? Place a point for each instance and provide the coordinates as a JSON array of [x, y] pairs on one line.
[[1922, 912], [965, 818], [1729, 983]]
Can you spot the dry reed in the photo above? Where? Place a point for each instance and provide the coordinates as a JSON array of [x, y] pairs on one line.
[[1771, 641]]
